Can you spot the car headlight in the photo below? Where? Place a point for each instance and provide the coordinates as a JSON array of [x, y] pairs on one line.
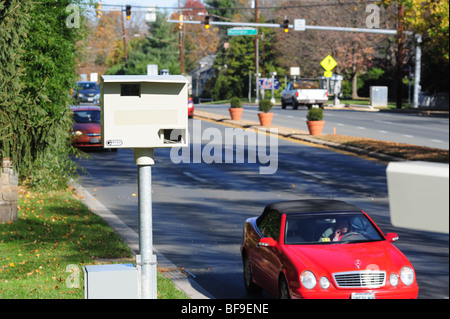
[[308, 279], [80, 94], [324, 283], [77, 133], [393, 279], [407, 275]]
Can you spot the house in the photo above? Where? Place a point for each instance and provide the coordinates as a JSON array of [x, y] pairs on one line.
[[201, 75]]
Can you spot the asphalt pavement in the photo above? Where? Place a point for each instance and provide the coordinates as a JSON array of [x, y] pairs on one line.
[[182, 279]]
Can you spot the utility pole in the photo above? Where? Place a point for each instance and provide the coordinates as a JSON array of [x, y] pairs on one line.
[[180, 27], [400, 56], [124, 37], [256, 55]]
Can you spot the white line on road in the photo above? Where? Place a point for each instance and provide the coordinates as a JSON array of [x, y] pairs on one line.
[[198, 179], [408, 136], [311, 174], [384, 132]]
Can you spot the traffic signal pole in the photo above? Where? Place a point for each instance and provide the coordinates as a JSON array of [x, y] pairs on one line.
[[418, 40]]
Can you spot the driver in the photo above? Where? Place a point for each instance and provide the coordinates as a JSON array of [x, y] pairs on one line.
[[339, 230]]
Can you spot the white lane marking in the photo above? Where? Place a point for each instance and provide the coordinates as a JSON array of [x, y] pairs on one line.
[[198, 179]]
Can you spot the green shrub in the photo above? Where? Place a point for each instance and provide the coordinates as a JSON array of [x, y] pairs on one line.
[[235, 102], [265, 105], [315, 114]]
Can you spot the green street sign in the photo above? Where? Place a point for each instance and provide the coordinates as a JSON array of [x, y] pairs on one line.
[[242, 31]]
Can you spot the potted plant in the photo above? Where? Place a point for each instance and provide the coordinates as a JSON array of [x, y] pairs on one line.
[[265, 118], [235, 108], [315, 121]]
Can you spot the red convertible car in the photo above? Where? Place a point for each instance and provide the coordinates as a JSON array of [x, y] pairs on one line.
[[323, 249]]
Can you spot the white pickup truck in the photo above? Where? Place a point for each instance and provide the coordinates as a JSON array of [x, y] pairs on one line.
[[304, 92]]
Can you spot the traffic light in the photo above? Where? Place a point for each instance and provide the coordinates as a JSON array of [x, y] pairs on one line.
[[98, 7], [285, 25], [128, 11], [206, 22]]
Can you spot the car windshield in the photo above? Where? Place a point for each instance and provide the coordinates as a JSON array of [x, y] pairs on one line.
[[329, 228], [88, 116], [88, 86]]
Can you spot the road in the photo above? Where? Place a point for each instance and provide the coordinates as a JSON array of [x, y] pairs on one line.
[[407, 128], [199, 208]]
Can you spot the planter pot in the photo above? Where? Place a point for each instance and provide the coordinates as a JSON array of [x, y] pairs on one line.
[[315, 127], [236, 113], [265, 119]]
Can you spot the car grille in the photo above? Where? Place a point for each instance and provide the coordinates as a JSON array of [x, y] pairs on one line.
[[93, 134], [360, 279]]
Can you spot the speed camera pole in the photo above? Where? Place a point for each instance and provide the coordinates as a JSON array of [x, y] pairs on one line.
[[144, 158]]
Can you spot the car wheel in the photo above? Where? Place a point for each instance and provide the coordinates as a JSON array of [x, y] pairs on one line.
[[294, 104], [248, 277], [283, 104], [283, 289]]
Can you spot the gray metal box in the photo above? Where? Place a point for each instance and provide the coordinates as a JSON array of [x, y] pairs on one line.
[[119, 281], [140, 111], [378, 95]]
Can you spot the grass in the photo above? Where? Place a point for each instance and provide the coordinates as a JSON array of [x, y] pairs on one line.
[[400, 150], [42, 254]]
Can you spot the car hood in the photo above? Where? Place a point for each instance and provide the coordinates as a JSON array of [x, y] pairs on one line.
[[331, 258]]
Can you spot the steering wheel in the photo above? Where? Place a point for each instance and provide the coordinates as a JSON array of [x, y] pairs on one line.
[[353, 236]]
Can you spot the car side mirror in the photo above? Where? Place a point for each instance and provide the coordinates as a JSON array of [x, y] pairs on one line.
[[392, 237], [267, 242]]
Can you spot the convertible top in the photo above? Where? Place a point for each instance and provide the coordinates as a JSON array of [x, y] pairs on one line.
[[311, 206]]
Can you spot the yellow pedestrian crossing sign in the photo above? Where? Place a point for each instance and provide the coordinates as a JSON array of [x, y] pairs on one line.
[[328, 63], [328, 74]]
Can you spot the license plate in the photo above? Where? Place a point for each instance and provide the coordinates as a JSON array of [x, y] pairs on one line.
[[95, 140], [90, 99], [368, 295]]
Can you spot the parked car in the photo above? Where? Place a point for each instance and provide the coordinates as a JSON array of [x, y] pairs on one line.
[[87, 92], [87, 126], [323, 249], [190, 108]]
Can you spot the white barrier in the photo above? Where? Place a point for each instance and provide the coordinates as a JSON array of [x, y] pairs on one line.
[[419, 195]]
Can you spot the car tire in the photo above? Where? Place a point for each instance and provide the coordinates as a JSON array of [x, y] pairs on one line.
[[250, 286], [283, 104], [294, 104], [283, 289]]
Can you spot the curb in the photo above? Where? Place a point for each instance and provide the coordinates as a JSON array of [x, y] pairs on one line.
[[293, 134], [184, 283]]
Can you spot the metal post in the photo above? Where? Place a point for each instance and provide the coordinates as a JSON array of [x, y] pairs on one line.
[[417, 70], [144, 158]]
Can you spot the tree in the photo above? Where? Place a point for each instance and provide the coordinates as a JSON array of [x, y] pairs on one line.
[[159, 47], [36, 121], [430, 18], [354, 52], [197, 41]]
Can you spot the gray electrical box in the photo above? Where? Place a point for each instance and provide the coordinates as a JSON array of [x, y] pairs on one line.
[[119, 281], [379, 96]]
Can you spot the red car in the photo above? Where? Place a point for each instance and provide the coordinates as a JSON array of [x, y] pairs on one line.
[[190, 108], [323, 249], [87, 127]]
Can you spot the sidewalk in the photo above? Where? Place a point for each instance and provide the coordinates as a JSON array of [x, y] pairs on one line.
[[294, 134]]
